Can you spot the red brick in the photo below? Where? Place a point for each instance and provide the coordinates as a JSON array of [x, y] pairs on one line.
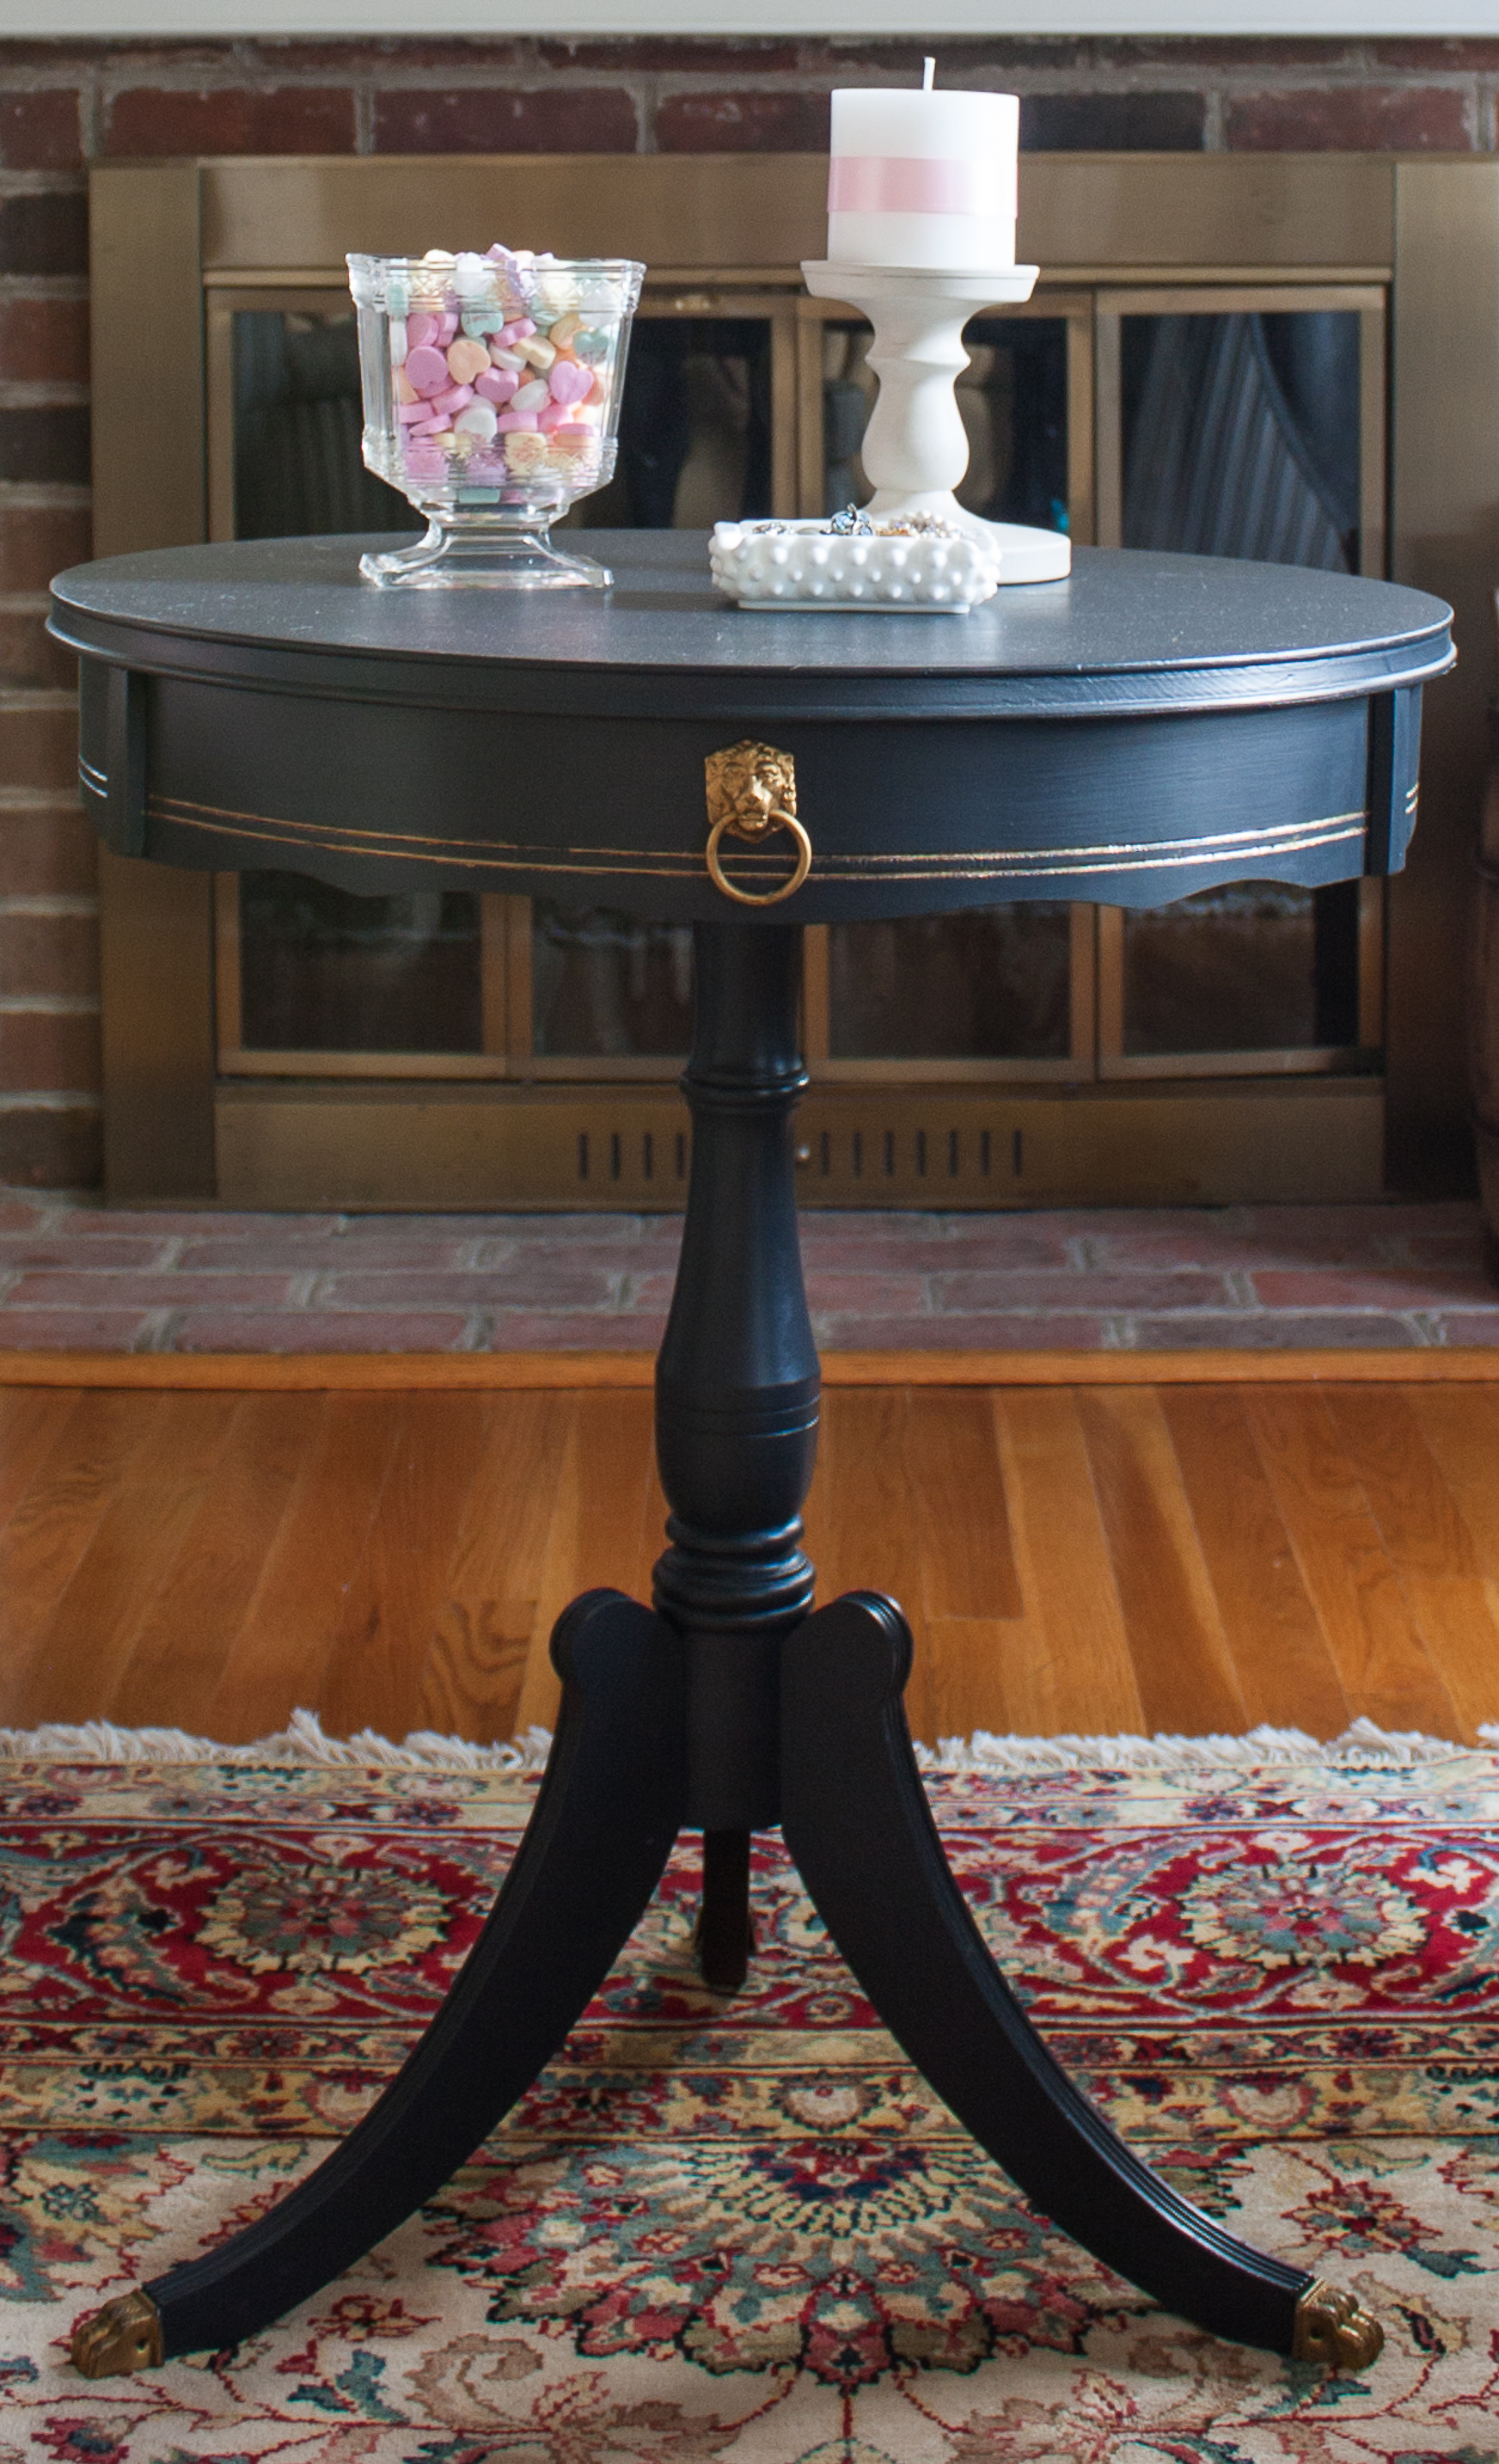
[[24, 1214], [1260, 1331], [1077, 1330], [19, 1250], [1359, 119], [171, 1222], [1443, 55], [49, 954], [536, 1288], [319, 1254], [40, 130], [43, 1149], [1458, 1327], [496, 120], [524, 1331], [831, 1243], [44, 231], [389, 51], [52, 1051], [30, 658], [206, 1330], [1410, 1288], [47, 854], [1226, 1248], [44, 340], [983, 54], [40, 748], [1172, 123], [1226, 52], [83, 1329], [39, 540], [661, 55], [1074, 1289], [230, 120], [743, 124], [54, 1288]]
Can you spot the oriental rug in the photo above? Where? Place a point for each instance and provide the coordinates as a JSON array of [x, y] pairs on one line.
[[744, 2229]]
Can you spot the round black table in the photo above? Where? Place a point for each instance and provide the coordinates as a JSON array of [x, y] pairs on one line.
[[1150, 726]]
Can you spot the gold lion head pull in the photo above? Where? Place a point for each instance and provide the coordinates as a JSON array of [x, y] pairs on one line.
[[1334, 2331], [125, 2335], [752, 793]]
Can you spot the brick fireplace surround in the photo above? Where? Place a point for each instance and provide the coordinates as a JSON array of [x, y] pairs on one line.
[[65, 104]]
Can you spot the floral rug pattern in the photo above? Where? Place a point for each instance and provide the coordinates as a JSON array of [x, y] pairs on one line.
[[745, 2229]]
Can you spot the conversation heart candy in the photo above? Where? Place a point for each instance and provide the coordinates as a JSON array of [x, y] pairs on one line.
[[569, 383], [421, 329], [565, 328], [480, 420], [510, 421], [467, 360], [498, 385], [427, 370], [591, 344], [526, 453], [538, 352], [456, 398], [532, 396]]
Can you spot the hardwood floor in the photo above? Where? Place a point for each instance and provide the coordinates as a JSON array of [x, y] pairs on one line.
[[1100, 1559]]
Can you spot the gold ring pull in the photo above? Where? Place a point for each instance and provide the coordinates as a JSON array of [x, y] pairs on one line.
[[750, 795]]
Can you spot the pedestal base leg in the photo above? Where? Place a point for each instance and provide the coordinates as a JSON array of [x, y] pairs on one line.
[[609, 1808], [858, 1824], [725, 1926]]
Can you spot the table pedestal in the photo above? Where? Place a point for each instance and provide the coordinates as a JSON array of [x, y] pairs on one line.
[[730, 1707]]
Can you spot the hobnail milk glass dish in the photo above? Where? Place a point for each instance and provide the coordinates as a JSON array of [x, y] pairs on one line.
[[489, 480]]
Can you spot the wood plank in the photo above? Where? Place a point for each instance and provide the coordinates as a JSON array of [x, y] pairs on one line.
[[1461, 1427], [598, 1527], [178, 1654], [140, 1528], [484, 1626], [1429, 1543], [861, 1524], [274, 1662], [952, 1462], [1284, 1667], [374, 1668], [1072, 1672], [49, 1529], [587, 1372], [1373, 1637], [30, 1422], [1182, 1664]]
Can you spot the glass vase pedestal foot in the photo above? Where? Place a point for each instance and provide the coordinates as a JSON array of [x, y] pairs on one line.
[[484, 550], [915, 446]]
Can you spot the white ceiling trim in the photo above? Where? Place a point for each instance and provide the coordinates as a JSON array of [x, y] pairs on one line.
[[848, 18]]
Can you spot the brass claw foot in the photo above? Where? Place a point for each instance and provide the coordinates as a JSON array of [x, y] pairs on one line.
[[125, 2335], [1332, 2330]]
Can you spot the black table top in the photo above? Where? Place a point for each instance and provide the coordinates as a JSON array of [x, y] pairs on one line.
[[1150, 726], [1129, 632]]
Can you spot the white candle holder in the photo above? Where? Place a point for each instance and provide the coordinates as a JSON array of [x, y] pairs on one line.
[[915, 446]]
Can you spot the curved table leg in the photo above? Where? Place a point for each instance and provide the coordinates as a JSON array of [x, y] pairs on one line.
[[608, 1811], [859, 1827]]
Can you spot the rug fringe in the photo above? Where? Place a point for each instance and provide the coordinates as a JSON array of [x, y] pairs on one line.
[[1362, 1746], [303, 1745]]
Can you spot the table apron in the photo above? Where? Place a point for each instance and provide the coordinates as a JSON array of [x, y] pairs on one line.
[[904, 818]]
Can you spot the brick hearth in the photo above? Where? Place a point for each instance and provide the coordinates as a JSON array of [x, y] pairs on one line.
[[76, 1276]]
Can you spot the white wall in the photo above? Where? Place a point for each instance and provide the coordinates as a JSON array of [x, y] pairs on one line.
[[224, 18]]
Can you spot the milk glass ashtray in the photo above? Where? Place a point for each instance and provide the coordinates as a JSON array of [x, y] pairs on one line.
[[922, 566]]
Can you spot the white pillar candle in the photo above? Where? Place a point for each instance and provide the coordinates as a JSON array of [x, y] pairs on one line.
[[923, 179]]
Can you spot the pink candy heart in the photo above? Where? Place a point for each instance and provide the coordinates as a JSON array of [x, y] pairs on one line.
[[420, 331], [569, 383], [428, 370], [498, 385]]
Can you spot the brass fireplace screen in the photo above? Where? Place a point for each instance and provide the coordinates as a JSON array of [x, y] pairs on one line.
[[1226, 394]]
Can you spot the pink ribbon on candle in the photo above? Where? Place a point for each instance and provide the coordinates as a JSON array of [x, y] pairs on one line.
[[915, 183]]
